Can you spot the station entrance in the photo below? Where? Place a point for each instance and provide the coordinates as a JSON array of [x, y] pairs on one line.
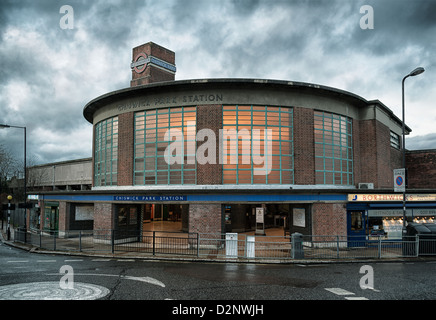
[[165, 217]]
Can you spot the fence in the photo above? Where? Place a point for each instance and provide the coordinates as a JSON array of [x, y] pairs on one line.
[[227, 246]]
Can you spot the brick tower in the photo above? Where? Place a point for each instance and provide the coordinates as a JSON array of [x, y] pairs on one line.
[[152, 63]]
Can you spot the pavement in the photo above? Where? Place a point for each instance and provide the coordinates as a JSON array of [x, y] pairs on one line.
[[135, 255]]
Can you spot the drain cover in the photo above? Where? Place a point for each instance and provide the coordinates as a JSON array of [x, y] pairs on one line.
[[52, 291]]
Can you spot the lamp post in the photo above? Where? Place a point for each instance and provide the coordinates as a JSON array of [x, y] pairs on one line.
[[2, 126], [9, 217], [415, 72]]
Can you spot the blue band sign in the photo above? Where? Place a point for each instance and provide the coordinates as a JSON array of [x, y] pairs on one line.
[[149, 198]]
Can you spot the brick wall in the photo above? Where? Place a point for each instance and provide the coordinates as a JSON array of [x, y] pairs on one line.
[[304, 146], [374, 158], [205, 218], [152, 74], [125, 149], [421, 166], [103, 216], [63, 216], [210, 117], [329, 219]]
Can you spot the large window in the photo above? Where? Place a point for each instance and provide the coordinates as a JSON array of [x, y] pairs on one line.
[[106, 152], [333, 149], [257, 145], [154, 133]]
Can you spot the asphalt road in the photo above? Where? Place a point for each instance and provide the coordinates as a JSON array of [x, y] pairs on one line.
[[28, 276]]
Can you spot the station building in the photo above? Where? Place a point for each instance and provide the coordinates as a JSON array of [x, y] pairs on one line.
[[236, 155]]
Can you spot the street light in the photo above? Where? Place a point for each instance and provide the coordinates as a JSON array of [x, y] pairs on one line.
[[9, 218], [3, 126], [413, 73]]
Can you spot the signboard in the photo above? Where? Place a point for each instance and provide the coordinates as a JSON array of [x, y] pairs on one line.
[[259, 215], [390, 197], [399, 180], [299, 217], [149, 198]]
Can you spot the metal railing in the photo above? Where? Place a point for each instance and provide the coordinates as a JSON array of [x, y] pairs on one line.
[[227, 246]]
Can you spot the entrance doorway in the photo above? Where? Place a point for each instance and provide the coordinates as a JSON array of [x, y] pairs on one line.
[[356, 223], [167, 217]]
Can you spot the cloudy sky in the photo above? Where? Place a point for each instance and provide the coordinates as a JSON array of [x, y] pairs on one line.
[[48, 74]]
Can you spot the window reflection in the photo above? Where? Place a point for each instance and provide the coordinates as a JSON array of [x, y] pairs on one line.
[[106, 152], [333, 149], [245, 140], [151, 141]]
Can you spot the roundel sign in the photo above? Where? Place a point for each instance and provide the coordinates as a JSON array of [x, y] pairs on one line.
[[140, 62]]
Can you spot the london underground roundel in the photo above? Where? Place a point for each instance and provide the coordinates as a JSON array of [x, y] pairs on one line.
[[140, 62]]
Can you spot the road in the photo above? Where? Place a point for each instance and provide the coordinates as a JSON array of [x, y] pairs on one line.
[[27, 275]]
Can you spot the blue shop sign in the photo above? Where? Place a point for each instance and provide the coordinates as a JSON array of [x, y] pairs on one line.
[[149, 198]]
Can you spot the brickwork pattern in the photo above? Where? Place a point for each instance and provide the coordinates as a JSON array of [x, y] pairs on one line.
[[304, 146], [210, 117], [205, 218], [329, 219], [125, 149], [152, 74], [421, 166], [103, 216]]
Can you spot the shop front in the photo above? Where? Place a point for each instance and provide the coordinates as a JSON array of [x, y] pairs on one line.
[[380, 216]]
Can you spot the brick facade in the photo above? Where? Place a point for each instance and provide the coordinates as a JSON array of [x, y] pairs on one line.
[[103, 216], [374, 158], [329, 219], [151, 73], [304, 146], [125, 149], [205, 218], [210, 117], [421, 166]]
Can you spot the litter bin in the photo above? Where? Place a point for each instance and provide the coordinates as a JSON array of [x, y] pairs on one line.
[[232, 245], [297, 246], [426, 233], [250, 247]]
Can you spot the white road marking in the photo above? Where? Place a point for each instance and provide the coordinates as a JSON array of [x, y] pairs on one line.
[[127, 260], [101, 260], [73, 260], [339, 291], [343, 292], [17, 261], [141, 279], [46, 261]]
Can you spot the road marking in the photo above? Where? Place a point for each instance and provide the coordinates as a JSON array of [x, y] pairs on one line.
[[46, 261], [101, 260], [17, 261], [141, 279], [356, 298], [343, 292], [339, 291], [128, 260], [73, 260]]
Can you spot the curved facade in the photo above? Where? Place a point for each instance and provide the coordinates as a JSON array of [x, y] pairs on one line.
[[221, 155], [238, 132]]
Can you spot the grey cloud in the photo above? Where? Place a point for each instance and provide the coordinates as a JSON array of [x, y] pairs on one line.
[[423, 142]]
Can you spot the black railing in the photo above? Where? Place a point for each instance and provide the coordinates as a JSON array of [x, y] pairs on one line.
[[219, 246]]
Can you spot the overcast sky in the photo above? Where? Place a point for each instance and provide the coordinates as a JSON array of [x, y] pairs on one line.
[[48, 74]]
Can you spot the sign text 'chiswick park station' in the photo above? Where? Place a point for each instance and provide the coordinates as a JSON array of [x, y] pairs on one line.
[[208, 154]]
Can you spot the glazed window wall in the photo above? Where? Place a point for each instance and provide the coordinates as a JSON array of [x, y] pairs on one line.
[[151, 166], [106, 152], [333, 149], [241, 148]]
